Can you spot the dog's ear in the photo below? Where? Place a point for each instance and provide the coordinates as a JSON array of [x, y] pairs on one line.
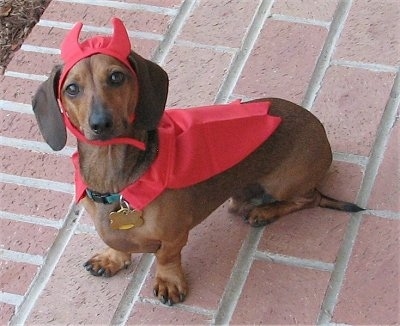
[[47, 111], [153, 92]]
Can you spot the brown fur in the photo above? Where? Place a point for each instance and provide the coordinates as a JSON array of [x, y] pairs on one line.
[[280, 177]]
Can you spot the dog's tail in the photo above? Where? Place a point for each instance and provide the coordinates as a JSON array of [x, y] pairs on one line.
[[332, 203]]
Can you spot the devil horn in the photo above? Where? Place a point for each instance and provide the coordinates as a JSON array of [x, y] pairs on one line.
[[120, 38], [70, 45]]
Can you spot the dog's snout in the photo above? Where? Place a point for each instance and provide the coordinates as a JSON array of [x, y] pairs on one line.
[[100, 121]]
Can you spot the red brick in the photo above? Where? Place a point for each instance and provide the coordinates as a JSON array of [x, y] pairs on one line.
[[101, 16], [371, 33], [282, 62], [7, 311], [350, 105], [18, 125], [145, 313], [195, 75], [23, 126], [26, 237], [16, 277], [386, 192], [31, 201], [208, 258], [17, 89], [216, 29], [310, 9], [281, 294], [36, 165], [50, 37], [343, 181], [33, 62], [311, 234], [93, 300], [370, 293]]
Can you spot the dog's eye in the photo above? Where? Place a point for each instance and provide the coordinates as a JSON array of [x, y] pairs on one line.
[[117, 78], [72, 89]]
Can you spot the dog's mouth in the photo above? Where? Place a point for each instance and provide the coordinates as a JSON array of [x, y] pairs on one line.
[[102, 136]]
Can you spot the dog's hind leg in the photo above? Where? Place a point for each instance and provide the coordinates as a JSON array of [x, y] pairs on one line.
[[246, 199], [267, 213]]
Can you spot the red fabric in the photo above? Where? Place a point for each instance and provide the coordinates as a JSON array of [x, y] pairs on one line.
[[194, 145]]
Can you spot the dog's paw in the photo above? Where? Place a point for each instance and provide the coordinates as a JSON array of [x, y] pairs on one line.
[[108, 263], [260, 216], [170, 291]]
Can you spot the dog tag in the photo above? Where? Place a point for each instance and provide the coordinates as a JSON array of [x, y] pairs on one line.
[[125, 219]]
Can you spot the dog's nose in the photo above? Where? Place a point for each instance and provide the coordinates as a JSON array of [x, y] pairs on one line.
[[100, 122]]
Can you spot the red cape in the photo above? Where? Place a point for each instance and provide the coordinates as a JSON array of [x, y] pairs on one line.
[[194, 145]]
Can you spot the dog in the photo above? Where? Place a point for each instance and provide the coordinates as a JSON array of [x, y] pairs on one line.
[[109, 98]]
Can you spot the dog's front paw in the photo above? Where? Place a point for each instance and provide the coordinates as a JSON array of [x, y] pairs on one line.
[[108, 263], [170, 290]]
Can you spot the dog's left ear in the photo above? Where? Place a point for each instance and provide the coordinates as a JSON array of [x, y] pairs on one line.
[[47, 111], [153, 92]]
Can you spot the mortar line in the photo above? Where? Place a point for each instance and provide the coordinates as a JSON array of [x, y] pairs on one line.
[[21, 257], [40, 49], [294, 261], [384, 129], [300, 20], [17, 107], [350, 158], [217, 48], [37, 183], [35, 146], [180, 306], [57, 224], [324, 58], [131, 293], [50, 262], [376, 67], [11, 298], [126, 6], [337, 278], [22, 75], [390, 215], [239, 61], [238, 278], [173, 31]]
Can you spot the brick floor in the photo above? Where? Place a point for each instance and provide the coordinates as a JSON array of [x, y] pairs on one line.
[[313, 267]]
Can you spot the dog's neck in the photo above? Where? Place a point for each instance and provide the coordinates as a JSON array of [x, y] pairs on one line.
[[109, 169]]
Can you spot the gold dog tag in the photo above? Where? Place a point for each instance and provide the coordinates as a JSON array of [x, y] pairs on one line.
[[125, 219]]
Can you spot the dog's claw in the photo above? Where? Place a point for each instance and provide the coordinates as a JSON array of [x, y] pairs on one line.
[[107, 263], [182, 297], [169, 295]]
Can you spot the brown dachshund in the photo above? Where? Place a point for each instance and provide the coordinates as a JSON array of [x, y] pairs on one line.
[[278, 178]]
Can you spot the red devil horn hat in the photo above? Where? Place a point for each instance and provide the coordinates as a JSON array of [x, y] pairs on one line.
[[118, 46]]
